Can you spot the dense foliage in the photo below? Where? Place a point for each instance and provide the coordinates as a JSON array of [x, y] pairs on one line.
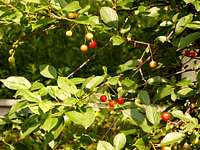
[[103, 74]]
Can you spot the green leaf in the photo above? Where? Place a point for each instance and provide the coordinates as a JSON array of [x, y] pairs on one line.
[[162, 39], [72, 7], [131, 131], [85, 9], [195, 25], [153, 115], [36, 86], [29, 96], [184, 82], [123, 3], [173, 95], [185, 92], [141, 145], [56, 132], [184, 117], [58, 4], [119, 141], [93, 20], [109, 16], [95, 82], [196, 3], [113, 80], [181, 25], [77, 80], [166, 23], [70, 101], [146, 127], [129, 83], [42, 23], [134, 114], [129, 65], [34, 108], [117, 40], [2, 122], [45, 106], [185, 41], [85, 118], [56, 92], [31, 129], [33, 1], [162, 92], [103, 145], [144, 97], [49, 123], [48, 71], [67, 85], [125, 30], [156, 80], [17, 107], [16, 83], [172, 138]]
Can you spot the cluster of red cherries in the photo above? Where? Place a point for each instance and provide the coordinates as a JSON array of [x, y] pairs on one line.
[[112, 103], [191, 54]]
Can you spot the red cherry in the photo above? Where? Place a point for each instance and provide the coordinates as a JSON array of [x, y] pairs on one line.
[[93, 44], [186, 53], [193, 54], [112, 103], [120, 100], [103, 98], [165, 116]]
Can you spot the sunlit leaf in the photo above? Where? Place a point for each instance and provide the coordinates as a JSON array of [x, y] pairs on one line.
[[117, 40], [95, 82], [109, 16], [181, 25], [16, 83], [48, 71], [119, 141], [153, 115], [141, 145], [103, 145], [163, 92], [49, 123], [71, 7], [172, 138], [85, 118]]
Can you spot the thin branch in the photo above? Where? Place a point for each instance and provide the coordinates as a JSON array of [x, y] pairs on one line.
[[141, 73], [85, 62], [114, 122], [81, 66], [182, 71]]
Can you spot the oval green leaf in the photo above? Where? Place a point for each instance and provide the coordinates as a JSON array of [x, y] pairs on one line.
[[172, 138], [48, 71], [119, 141], [103, 145], [16, 83], [109, 16]]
